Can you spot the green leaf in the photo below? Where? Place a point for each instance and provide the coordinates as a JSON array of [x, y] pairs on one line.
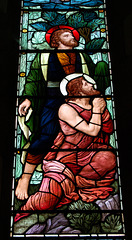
[[41, 26], [95, 44], [115, 186], [88, 16], [76, 21], [112, 224], [95, 229], [77, 215], [59, 20], [69, 215], [83, 221], [95, 23], [49, 16]]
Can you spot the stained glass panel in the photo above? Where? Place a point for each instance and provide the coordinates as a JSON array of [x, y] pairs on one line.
[[66, 173], [92, 28]]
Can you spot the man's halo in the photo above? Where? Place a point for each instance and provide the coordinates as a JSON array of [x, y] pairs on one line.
[[53, 29]]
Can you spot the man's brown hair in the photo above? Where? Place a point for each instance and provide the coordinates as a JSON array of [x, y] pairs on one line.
[[74, 88], [55, 37]]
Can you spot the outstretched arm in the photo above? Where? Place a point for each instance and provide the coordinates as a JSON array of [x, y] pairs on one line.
[[69, 115]]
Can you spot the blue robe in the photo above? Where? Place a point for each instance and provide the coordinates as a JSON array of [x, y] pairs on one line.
[[49, 124]]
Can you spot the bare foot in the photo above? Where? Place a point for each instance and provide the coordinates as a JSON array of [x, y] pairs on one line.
[[22, 188]]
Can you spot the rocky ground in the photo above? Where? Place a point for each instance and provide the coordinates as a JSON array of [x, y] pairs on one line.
[[58, 223]]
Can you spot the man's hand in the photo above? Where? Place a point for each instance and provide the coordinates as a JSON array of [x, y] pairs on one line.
[[99, 105], [24, 106]]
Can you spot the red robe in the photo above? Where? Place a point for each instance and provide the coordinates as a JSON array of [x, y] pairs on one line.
[[70, 174]]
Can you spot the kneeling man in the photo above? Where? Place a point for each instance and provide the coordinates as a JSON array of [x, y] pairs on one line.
[[81, 163]]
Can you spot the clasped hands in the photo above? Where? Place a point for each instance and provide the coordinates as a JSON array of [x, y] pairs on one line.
[[99, 105]]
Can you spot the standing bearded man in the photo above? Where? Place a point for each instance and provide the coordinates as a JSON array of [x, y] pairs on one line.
[[42, 95]]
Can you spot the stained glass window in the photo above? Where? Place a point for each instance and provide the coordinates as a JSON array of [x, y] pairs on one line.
[[66, 173]]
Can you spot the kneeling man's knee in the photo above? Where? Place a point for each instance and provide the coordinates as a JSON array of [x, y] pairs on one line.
[[106, 159]]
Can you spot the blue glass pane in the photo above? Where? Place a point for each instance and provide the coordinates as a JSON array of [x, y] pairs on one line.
[[63, 4]]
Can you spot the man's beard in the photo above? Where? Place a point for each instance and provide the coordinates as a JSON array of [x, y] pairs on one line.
[[91, 92], [71, 43]]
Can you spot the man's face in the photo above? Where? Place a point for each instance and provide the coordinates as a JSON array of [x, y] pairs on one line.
[[88, 89], [67, 39]]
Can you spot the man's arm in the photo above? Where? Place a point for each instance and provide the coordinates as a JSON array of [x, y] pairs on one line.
[[34, 87], [69, 115]]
